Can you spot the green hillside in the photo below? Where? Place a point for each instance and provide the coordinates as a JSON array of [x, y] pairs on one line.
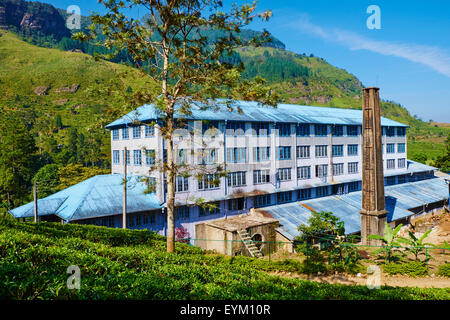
[[46, 83], [126, 264]]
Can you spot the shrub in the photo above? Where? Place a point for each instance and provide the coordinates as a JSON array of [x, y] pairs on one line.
[[444, 270], [413, 269]]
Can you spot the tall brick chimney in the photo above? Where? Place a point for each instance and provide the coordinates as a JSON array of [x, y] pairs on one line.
[[373, 213]]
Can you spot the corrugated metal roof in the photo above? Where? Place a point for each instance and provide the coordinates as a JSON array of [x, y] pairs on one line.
[[254, 111], [95, 197], [399, 199]]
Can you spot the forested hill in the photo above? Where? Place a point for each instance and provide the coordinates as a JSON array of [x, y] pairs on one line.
[[56, 83]]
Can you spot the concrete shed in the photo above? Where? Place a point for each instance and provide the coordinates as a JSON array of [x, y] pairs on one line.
[[252, 234]]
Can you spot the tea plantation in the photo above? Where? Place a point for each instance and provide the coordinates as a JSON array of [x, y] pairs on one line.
[[126, 264]]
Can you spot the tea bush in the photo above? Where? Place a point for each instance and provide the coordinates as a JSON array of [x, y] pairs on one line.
[[444, 270], [126, 264], [413, 268]]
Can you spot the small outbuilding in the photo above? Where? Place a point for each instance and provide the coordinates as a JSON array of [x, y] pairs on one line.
[[252, 234]]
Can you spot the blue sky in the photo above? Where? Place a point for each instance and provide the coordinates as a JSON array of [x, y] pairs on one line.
[[408, 58]]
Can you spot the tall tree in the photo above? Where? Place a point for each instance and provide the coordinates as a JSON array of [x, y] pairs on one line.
[[170, 47], [17, 149]]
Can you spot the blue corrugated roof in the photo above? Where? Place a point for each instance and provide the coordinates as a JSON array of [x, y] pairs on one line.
[[399, 199], [254, 111], [95, 197]]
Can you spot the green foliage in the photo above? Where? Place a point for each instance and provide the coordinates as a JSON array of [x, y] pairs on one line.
[[443, 161], [320, 226], [389, 240], [17, 148], [76, 173], [48, 180], [127, 264], [416, 245], [413, 268], [444, 270]]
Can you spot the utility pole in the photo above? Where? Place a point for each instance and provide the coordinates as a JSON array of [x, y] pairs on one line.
[[35, 202], [124, 215]]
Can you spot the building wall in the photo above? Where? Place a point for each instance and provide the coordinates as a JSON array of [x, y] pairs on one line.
[[194, 140]]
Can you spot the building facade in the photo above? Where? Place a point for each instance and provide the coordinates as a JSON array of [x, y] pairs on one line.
[[270, 155]]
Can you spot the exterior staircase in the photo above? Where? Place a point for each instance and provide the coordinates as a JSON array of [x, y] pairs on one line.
[[251, 247]]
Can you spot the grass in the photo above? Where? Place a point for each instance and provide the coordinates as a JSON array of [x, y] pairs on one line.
[[126, 264]]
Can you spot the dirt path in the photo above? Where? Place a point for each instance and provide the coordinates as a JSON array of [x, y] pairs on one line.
[[393, 281]]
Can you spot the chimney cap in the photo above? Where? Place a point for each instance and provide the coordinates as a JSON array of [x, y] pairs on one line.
[[368, 88]]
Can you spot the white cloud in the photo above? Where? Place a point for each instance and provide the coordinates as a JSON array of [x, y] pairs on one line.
[[433, 57]]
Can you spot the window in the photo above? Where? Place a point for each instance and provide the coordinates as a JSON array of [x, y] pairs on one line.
[[136, 132], [352, 131], [209, 209], [390, 131], [338, 189], [261, 176], [338, 130], [262, 200], [338, 150], [402, 163], [236, 155], [390, 148], [401, 148], [320, 130], [303, 130], [352, 167], [115, 134], [137, 157], [283, 197], [116, 157], [235, 128], [338, 169], [401, 131], [401, 179], [284, 174], [237, 204], [284, 129], [390, 164], [353, 186], [321, 151], [304, 173], [149, 131], [151, 185], [304, 194], [210, 127], [182, 213], [127, 156], [321, 170], [261, 153], [181, 184], [207, 156], [284, 153], [322, 191], [208, 181], [125, 133], [181, 156], [261, 128], [138, 220], [352, 149], [149, 157], [236, 179], [390, 181], [303, 152]]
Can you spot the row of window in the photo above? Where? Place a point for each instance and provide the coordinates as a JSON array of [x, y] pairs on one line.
[[239, 155], [149, 131], [238, 128], [305, 194]]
